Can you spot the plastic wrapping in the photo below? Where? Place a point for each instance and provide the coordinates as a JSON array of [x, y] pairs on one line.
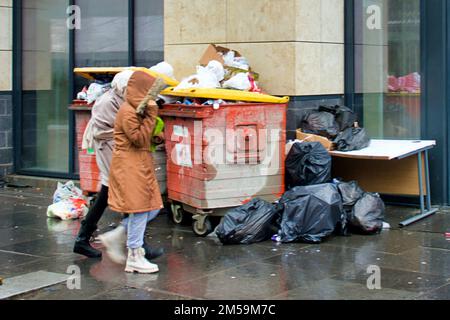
[[310, 214], [250, 223], [307, 163]]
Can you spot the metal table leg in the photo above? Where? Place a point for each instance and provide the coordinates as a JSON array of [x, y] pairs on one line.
[[428, 211]]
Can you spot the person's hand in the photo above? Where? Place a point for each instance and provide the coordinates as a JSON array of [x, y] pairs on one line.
[[152, 94]]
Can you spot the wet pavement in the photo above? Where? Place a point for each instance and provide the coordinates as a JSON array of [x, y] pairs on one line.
[[414, 262]]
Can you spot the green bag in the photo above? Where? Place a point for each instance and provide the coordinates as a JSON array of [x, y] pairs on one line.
[[159, 128]]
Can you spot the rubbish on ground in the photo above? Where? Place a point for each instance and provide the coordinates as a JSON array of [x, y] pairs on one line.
[[307, 163], [250, 223], [386, 226], [68, 203], [364, 211], [367, 216], [309, 214], [352, 139]]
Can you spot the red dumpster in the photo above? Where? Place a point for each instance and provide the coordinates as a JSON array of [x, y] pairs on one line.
[[218, 158], [90, 180]]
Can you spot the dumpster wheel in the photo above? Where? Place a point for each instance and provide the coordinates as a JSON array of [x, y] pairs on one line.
[[202, 227], [179, 216]]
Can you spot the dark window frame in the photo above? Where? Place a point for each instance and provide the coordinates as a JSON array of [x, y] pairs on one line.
[[17, 91]]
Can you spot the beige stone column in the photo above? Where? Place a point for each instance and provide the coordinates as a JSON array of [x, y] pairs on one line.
[[296, 45]]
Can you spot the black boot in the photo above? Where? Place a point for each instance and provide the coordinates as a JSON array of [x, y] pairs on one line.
[[152, 253], [82, 244]]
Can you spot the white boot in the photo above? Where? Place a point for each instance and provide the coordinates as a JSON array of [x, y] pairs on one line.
[[137, 263], [115, 243]]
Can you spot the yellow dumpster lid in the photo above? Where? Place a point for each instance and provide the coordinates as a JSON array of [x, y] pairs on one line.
[[225, 94], [90, 73]]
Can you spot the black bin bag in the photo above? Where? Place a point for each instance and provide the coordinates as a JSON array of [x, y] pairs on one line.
[[321, 123], [345, 117], [367, 216], [351, 193], [307, 163], [309, 214], [251, 223], [352, 139]]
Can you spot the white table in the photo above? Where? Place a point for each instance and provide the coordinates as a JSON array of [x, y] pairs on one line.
[[392, 176]]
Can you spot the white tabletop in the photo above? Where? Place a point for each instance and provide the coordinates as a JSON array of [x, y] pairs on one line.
[[387, 149]]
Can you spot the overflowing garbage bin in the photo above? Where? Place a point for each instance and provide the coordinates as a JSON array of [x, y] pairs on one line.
[[221, 156]]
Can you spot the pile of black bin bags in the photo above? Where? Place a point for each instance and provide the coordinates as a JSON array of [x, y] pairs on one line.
[[313, 209]]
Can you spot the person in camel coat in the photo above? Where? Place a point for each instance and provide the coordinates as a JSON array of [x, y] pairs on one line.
[[133, 186]]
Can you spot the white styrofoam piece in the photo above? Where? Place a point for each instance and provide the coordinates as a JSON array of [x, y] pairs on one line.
[[387, 149]]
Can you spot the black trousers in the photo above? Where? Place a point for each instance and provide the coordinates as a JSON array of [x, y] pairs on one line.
[[98, 208]]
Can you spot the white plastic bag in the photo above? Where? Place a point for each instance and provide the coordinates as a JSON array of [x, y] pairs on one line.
[[208, 77], [240, 81], [96, 90], [164, 68], [68, 209], [230, 60], [67, 191], [68, 203]]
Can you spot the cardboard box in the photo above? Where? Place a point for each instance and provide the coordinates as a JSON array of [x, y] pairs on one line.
[[214, 52], [308, 137]]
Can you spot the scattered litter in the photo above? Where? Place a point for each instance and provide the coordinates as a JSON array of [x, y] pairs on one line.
[[233, 277], [424, 263], [419, 278], [273, 275], [112, 225], [386, 226], [169, 237], [68, 203], [274, 250], [410, 283], [318, 251], [378, 259], [181, 238]]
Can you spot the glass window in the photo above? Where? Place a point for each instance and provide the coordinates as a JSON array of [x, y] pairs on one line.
[[387, 66], [45, 78], [149, 32], [102, 40]]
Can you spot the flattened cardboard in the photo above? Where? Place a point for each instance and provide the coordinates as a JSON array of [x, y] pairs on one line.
[[214, 52], [307, 137]]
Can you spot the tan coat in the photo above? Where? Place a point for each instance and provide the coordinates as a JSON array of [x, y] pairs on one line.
[[133, 187]]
